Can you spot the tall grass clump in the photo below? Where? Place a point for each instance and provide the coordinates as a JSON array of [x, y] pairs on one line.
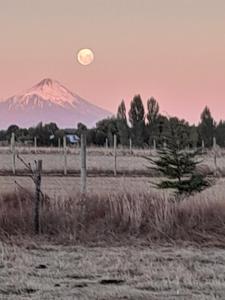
[[200, 218]]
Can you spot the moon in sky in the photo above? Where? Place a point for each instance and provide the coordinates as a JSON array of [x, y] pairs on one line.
[[85, 56]]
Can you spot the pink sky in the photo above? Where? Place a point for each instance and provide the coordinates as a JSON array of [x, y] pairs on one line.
[[172, 50]]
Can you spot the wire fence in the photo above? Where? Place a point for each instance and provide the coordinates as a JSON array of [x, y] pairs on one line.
[[66, 160], [100, 161], [67, 171]]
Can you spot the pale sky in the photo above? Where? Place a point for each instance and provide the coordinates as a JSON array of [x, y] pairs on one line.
[[173, 50]]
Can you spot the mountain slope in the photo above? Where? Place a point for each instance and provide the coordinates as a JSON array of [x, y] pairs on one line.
[[49, 101]]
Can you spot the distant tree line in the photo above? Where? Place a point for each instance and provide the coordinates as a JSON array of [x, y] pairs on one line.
[[143, 127]]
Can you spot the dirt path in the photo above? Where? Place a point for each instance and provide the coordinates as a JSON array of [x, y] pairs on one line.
[[59, 272]]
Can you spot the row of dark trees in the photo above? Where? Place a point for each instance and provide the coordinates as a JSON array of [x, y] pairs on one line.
[[142, 127], [145, 127]]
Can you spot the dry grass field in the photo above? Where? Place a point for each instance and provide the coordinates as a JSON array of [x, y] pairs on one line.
[[55, 162], [125, 240], [64, 187], [138, 271], [99, 160], [61, 187]]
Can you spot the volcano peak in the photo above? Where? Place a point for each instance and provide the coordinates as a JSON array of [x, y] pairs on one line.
[[49, 101], [46, 81]]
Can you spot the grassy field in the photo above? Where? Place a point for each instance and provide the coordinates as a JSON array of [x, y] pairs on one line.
[[132, 272], [55, 162], [124, 240], [68, 186], [99, 161], [57, 187]]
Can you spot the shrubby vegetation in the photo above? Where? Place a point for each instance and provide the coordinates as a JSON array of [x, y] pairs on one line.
[[178, 168], [109, 217], [143, 127]]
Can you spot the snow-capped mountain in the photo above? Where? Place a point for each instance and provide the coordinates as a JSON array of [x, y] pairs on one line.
[[49, 101]]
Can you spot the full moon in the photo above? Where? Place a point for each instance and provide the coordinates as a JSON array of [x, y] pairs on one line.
[[85, 56]]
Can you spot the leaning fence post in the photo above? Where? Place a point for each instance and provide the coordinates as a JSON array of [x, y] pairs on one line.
[[37, 180], [13, 149], [115, 145], [65, 155], [83, 163]]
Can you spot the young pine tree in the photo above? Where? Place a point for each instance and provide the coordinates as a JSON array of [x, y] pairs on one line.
[[179, 169]]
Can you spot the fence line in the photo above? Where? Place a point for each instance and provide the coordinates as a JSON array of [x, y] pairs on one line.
[[113, 164]]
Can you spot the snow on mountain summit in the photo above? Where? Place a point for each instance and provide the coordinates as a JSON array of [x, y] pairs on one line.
[[49, 101], [50, 90]]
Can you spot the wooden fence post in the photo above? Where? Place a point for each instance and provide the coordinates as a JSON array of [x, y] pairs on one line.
[[154, 144], [106, 145], [35, 144], [65, 155], [83, 163], [130, 141], [37, 181], [214, 142], [115, 145], [215, 163], [59, 143], [203, 146], [215, 156], [187, 148], [13, 149]]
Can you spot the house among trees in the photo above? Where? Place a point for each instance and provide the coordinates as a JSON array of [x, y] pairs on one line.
[[72, 138]]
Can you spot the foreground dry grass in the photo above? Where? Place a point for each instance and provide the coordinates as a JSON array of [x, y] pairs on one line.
[[120, 215], [133, 223], [111, 273]]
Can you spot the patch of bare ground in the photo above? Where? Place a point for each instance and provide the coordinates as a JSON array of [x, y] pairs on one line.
[[122, 272]]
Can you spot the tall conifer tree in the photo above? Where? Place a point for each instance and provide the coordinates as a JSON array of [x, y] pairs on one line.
[[122, 125], [137, 120]]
